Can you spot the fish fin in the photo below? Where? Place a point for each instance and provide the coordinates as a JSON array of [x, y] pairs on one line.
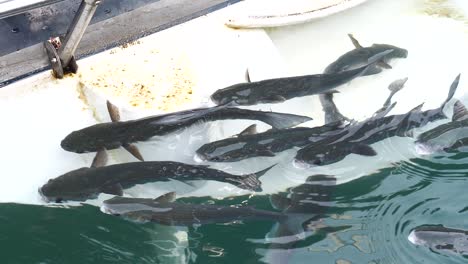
[[166, 198], [276, 99], [279, 202], [113, 112], [282, 120], [459, 111], [355, 42], [397, 85], [372, 70], [250, 181], [377, 57], [250, 130], [363, 150], [100, 160], [247, 76], [115, 189], [266, 153], [384, 65], [452, 90], [384, 111], [134, 151]]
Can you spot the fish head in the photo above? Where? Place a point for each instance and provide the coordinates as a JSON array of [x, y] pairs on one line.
[[318, 155], [93, 138], [439, 238], [396, 53], [227, 150], [73, 185], [237, 94]]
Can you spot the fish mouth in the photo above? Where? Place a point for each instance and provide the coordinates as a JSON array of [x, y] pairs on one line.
[[300, 164], [199, 158], [48, 199], [414, 239], [423, 149]]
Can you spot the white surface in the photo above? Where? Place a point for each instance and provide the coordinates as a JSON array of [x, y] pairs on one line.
[[38, 112]]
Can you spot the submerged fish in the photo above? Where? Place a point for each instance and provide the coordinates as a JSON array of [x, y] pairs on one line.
[[86, 183], [448, 136], [123, 133], [359, 55], [163, 210], [440, 239], [357, 137], [281, 89], [251, 144]]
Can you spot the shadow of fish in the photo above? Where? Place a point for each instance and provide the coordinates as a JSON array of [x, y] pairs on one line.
[[310, 201], [163, 210], [440, 239], [446, 137], [251, 144], [86, 183], [123, 133], [357, 137], [281, 89]]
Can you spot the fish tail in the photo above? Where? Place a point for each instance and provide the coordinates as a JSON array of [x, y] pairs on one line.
[[453, 89], [283, 120], [250, 181]]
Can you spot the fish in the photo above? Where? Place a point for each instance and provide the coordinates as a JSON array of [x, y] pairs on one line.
[[440, 239], [357, 137], [87, 183], [359, 55], [279, 90], [116, 134], [446, 137], [164, 210], [250, 144]]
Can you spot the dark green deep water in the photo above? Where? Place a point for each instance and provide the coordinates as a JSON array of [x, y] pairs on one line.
[[367, 221]]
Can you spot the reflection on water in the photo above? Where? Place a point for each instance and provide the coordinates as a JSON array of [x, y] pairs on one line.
[[367, 220]]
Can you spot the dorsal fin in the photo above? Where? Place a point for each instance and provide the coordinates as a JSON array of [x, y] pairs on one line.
[[100, 160], [356, 43], [247, 76], [166, 198], [250, 130], [452, 90], [113, 112], [459, 111]]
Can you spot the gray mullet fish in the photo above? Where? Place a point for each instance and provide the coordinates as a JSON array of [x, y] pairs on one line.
[[357, 137], [281, 89], [86, 183], [118, 133], [163, 210], [440, 239]]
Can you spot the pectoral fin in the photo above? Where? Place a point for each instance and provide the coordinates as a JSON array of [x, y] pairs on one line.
[[100, 160], [279, 202], [266, 153], [364, 150], [115, 189], [384, 65], [250, 130], [113, 112], [134, 151], [276, 99], [166, 198]]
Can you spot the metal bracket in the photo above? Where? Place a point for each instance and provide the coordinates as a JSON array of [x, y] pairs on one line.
[[62, 60]]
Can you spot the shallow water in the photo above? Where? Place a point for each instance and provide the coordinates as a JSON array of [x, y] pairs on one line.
[[369, 220]]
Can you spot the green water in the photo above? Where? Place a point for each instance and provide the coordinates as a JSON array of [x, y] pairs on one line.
[[366, 221]]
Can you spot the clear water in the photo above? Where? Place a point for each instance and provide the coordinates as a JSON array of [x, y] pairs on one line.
[[368, 220], [369, 214]]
